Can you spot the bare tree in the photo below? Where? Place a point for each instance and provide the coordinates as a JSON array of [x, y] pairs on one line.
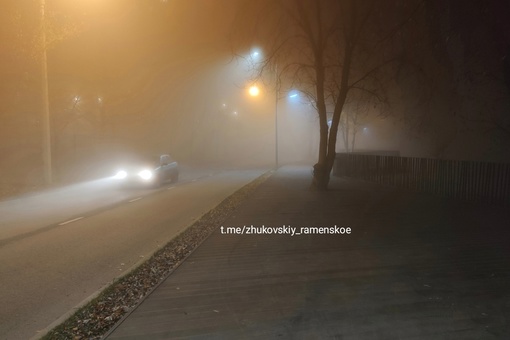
[[328, 50], [481, 37], [357, 110], [453, 75]]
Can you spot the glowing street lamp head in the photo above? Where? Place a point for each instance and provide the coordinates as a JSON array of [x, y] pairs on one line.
[[294, 95], [254, 91], [255, 54]]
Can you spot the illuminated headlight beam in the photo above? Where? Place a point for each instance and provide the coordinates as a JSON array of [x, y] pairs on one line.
[[121, 174]]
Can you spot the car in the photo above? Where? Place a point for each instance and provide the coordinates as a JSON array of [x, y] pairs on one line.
[[148, 171]]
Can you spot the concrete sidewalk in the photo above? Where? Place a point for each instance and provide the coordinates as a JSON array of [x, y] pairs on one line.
[[414, 266]]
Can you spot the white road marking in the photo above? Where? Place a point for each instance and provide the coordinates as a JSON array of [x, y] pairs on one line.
[[70, 221], [169, 188], [135, 199]]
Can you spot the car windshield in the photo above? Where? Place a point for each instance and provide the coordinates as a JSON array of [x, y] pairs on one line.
[[149, 160]]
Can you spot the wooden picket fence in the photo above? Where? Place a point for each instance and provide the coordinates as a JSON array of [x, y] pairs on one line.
[[472, 181]]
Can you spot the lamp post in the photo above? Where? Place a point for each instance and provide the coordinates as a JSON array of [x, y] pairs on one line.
[[277, 94], [45, 119], [254, 91]]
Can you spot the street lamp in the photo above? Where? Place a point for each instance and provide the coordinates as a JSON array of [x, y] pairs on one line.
[[45, 119], [254, 91], [277, 94]]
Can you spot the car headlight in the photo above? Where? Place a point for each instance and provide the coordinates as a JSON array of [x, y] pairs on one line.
[[145, 174], [121, 174]]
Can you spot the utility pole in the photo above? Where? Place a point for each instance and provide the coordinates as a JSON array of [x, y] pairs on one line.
[[45, 119]]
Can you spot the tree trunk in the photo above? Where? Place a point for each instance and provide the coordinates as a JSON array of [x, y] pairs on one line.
[[323, 168], [320, 177], [353, 139]]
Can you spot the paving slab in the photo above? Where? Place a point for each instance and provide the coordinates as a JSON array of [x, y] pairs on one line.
[[414, 266]]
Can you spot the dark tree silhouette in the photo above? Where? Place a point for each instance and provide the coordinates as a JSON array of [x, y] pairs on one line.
[[454, 73], [328, 50]]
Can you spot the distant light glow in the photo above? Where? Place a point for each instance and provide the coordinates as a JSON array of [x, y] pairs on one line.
[[254, 91]]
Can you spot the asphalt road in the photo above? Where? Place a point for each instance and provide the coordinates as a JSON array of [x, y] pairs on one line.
[[60, 247], [29, 214]]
